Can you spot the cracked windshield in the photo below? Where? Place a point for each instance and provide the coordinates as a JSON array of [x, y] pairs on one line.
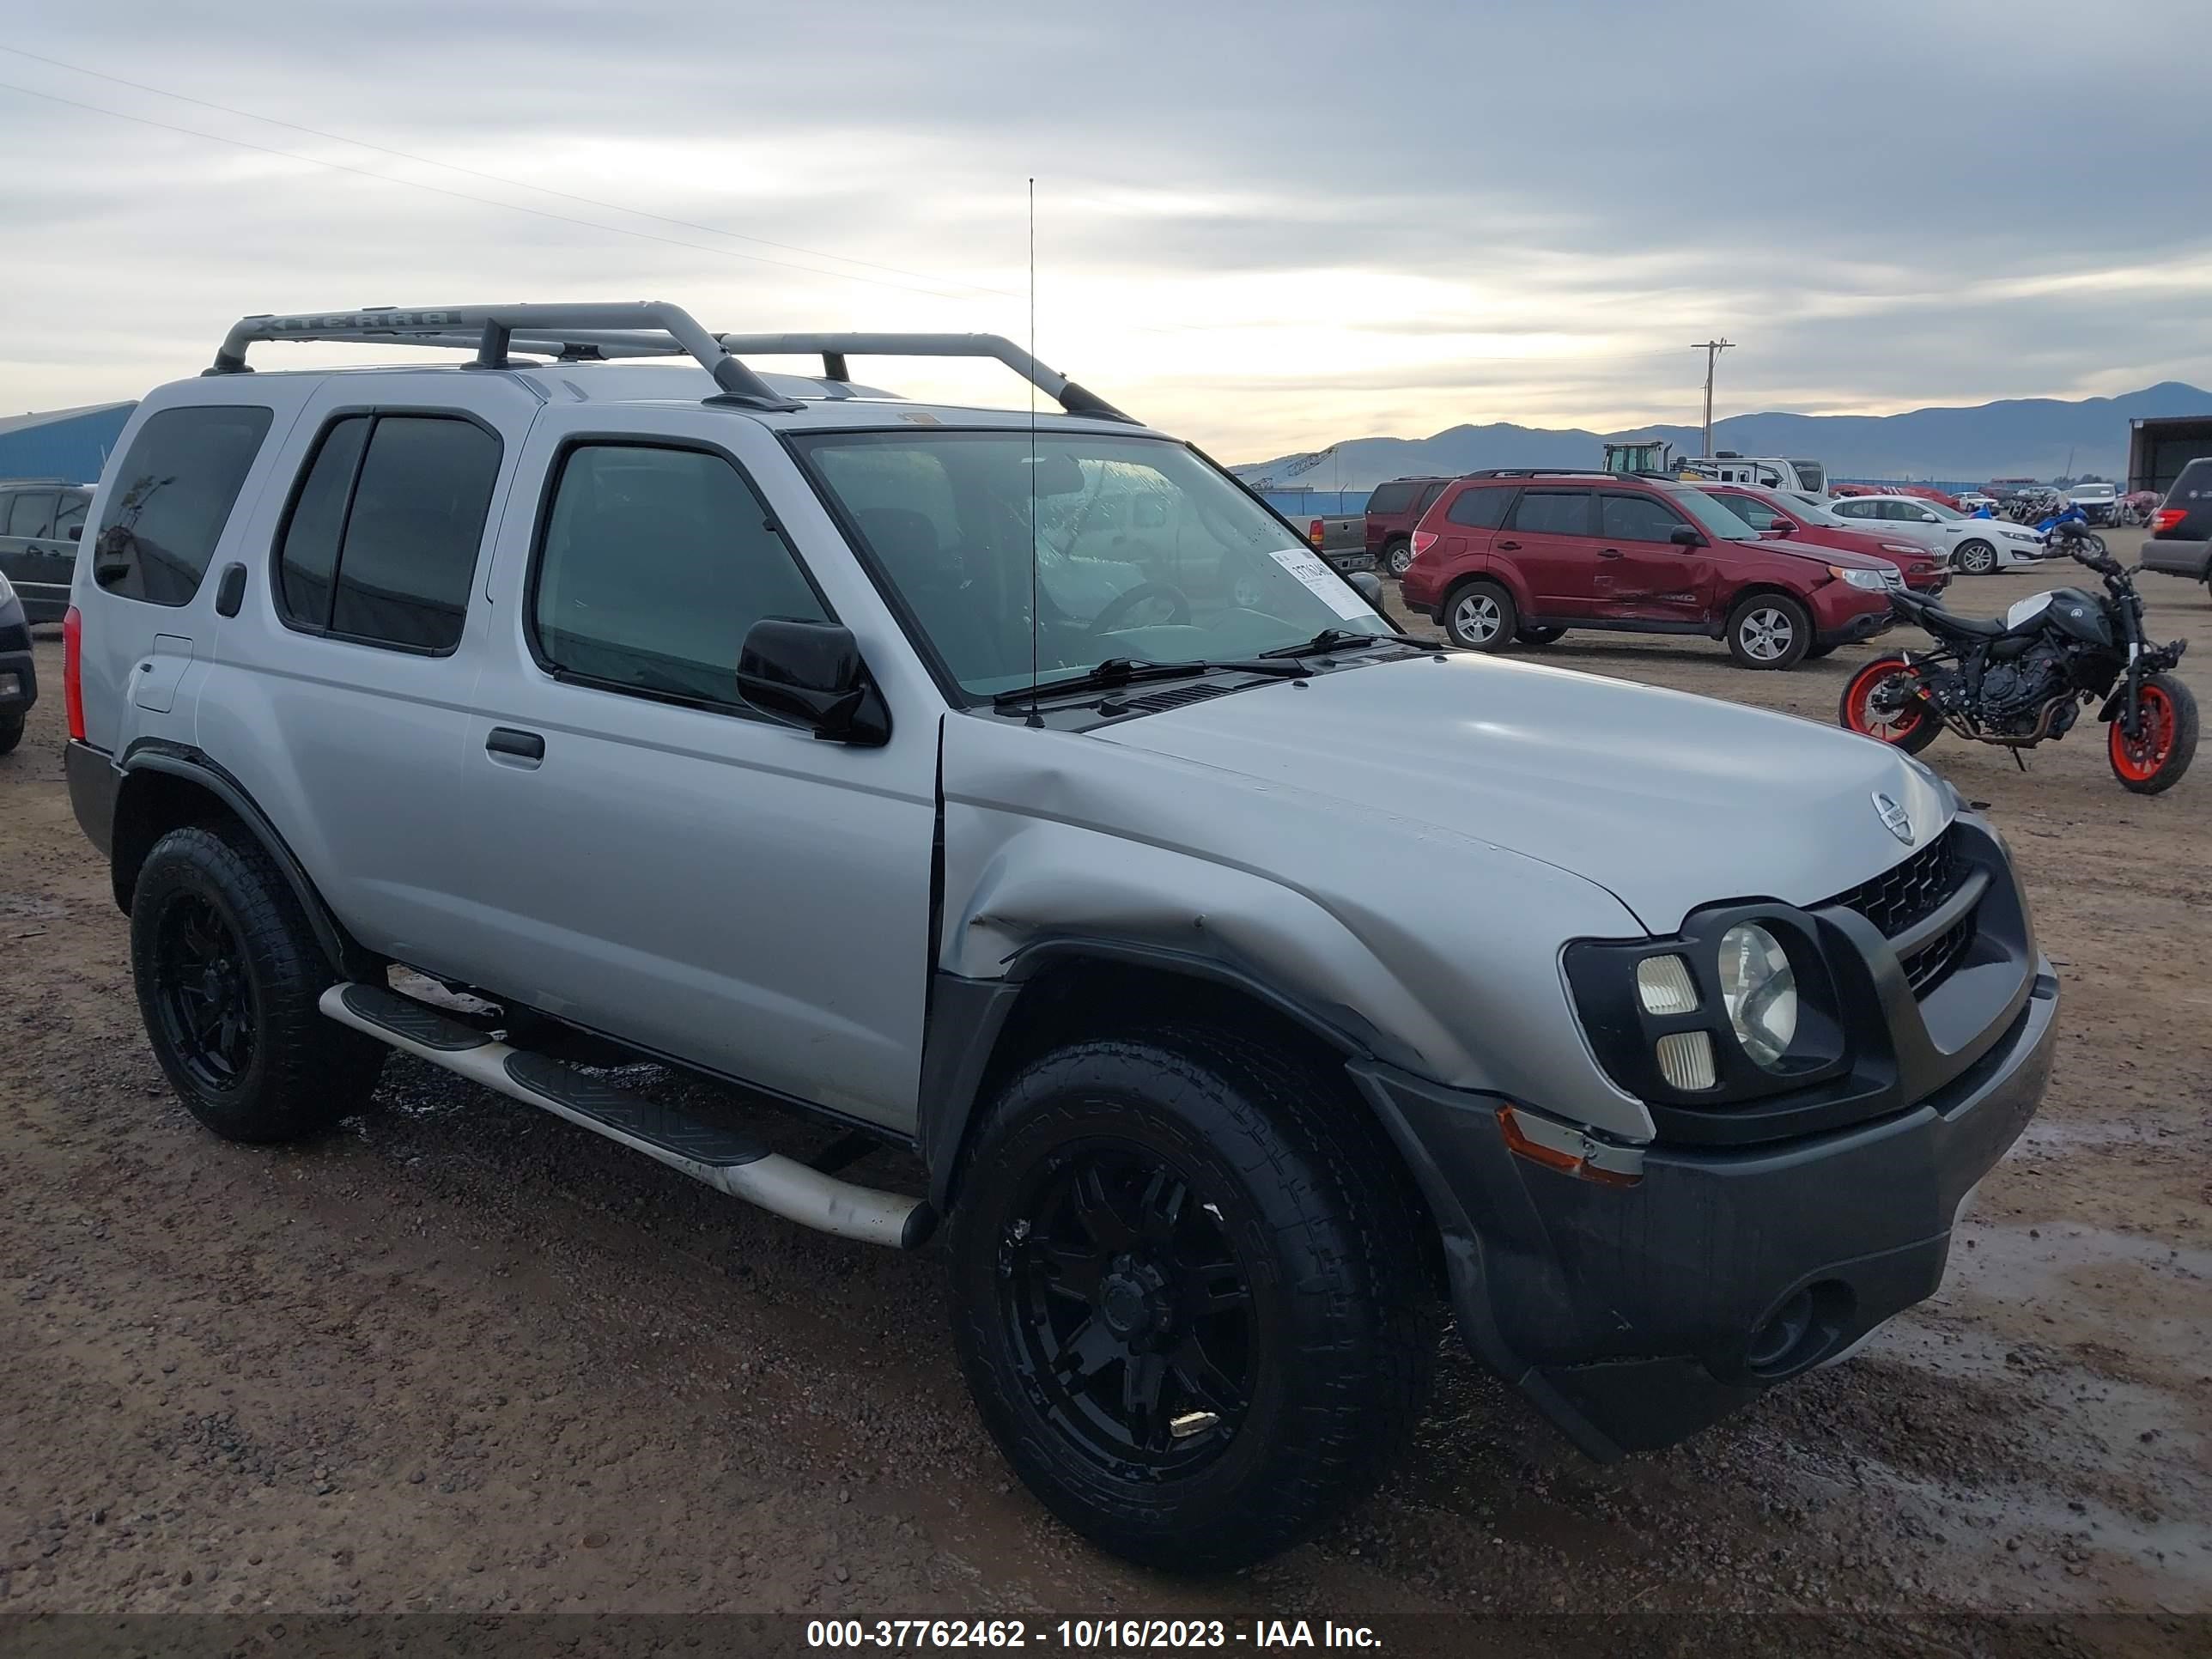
[[1141, 551]]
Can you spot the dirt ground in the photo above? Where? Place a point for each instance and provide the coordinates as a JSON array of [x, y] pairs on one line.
[[463, 1357]]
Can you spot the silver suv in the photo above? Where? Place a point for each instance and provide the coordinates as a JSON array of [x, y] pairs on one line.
[[1010, 788]]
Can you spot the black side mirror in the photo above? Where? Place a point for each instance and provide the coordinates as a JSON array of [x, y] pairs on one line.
[[1781, 528], [810, 674], [76, 532], [1684, 536], [1368, 586]]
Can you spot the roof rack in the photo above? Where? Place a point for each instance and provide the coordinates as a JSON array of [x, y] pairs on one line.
[[1541, 472], [595, 333]]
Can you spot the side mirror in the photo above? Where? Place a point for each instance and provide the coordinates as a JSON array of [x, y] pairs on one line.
[[1369, 585], [76, 532], [1781, 528], [1684, 536], [810, 674]]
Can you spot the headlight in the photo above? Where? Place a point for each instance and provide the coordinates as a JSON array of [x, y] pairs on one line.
[[1759, 991], [1870, 579], [1900, 547]]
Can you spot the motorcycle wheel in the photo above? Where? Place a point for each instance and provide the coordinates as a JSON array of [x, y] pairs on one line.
[[2166, 742], [1913, 727]]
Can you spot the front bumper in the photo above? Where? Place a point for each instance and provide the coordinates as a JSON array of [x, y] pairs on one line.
[[19, 675], [1633, 1315], [2172, 557], [1863, 626]]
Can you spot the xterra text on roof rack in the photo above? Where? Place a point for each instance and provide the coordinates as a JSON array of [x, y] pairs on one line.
[[1013, 795]]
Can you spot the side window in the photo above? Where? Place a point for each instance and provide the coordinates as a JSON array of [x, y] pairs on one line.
[[1551, 513], [652, 564], [1850, 509], [1390, 498], [1148, 511], [380, 545], [1478, 508], [1636, 519], [1429, 498], [1756, 514], [172, 496], [31, 513], [74, 504]]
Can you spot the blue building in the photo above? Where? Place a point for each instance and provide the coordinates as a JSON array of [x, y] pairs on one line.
[[69, 444]]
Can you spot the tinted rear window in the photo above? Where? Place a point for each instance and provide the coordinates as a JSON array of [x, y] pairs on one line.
[[1553, 511], [410, 538], [2193, 488], [1478, 508], [1391, 497], [172, 496]]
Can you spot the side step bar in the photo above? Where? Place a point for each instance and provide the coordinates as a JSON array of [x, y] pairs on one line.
[[727, 1161]]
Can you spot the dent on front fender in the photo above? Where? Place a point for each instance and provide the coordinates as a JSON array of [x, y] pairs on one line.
[[1429, 950]]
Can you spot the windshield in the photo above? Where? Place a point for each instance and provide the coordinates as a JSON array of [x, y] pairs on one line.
[[1714, 514], [1137, 549], [1811, 475]]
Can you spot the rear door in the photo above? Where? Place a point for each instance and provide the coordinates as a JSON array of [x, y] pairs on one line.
[[1550, 538], [26, 520], [1641, 573]]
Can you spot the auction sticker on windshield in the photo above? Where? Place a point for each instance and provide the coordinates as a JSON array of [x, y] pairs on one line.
[[1334, 591]]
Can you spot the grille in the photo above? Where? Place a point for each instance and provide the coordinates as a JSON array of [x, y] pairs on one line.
[[1925, 967], [1176, 696], [1910, 891], [1894, 580]]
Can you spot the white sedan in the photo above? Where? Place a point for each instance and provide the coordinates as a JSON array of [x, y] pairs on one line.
[[1976, 546]]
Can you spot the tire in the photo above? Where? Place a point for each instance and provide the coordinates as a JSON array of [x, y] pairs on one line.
[[1853, 714], [1814, 651], [1769, 630], [2155, 763], [1480, 616], [1397, 554], [1301, 1345], [1977, 558], [1539, 635], [228, 974], [11, 733]]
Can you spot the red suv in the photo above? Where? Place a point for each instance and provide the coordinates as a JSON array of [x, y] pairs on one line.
[[1776, 516], [1504, 556], [1393, 510]]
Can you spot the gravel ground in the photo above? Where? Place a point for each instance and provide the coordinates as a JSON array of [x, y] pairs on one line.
[[462, 1357]]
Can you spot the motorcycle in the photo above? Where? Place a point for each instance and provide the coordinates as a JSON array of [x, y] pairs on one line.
[[2046, 527], [2024, 679]]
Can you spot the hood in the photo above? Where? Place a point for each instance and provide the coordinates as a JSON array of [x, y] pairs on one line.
[[1807, 545], [1670, 801]]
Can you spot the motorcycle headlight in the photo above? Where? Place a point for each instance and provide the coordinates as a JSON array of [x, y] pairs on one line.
[[1760, 990]]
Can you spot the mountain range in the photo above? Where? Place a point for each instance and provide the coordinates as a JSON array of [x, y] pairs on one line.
[[2017, 438]]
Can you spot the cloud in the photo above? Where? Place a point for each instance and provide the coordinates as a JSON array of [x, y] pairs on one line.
[[1267, 227]]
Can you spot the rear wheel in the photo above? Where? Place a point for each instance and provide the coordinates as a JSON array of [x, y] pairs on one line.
[[1977, 558], [2165, 743], [228, 974], [1769, 630], [1397, 554], [1881, 702], [1188, 1296], [1481, 617]]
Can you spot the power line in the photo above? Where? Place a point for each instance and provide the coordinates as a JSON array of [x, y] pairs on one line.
[[463, 196], [492, 177], [1712, 349]]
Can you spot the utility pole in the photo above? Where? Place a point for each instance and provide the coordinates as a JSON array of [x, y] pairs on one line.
[[1712, 349]]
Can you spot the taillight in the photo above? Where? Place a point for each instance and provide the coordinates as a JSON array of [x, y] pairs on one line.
[[2169, 518], [1315, 535], [1423, 540], [72, 672]]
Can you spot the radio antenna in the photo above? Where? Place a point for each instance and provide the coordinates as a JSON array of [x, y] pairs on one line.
[[1036, 530]]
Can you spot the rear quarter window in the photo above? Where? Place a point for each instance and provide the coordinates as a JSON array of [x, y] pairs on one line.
[[2194, 487], [1479, 508], [172, 494]]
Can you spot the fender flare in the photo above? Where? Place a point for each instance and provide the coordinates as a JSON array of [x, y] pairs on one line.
[[966, 1017], [346, 955]]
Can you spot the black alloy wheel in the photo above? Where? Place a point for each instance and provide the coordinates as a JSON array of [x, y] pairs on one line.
[[204, 995]]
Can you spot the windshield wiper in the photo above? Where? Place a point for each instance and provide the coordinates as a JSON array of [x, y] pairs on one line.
[[1333, 639], [1117, 671]]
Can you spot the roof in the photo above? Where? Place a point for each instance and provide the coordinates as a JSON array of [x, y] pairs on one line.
[[50, 416]]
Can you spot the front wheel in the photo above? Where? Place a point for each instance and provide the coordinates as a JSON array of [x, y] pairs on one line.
[[1977, 558], [11, 733], [1883, 701], [1769, 630], [2165, 743], [1481, 617], [1188, 1296]]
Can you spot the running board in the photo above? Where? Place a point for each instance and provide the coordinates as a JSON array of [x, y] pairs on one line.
[[727, 1161]]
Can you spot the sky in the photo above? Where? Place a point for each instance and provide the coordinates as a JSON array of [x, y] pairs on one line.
[[1265, 228]]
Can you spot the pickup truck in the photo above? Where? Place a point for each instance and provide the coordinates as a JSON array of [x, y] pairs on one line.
[[1340, 538]]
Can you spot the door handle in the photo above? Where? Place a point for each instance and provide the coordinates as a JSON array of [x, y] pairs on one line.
[[1509, 547], [523, 745], [1608, 552]]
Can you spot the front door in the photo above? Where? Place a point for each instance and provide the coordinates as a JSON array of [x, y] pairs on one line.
[[1550, 538], [653, 859], [1641, 573]]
